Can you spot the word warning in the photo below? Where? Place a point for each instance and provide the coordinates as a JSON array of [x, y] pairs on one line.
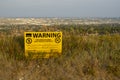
[[42, 44]]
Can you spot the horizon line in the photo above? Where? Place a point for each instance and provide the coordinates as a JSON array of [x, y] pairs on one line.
[[62, 17]]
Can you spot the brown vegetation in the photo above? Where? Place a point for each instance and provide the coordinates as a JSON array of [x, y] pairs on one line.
[[84, 57]]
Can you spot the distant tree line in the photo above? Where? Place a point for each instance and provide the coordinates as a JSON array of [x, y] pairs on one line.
[[76, 29]]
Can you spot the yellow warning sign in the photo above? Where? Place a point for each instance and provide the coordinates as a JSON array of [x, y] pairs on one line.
[[42, 44]]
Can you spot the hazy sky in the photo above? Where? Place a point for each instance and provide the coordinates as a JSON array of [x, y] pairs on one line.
[[59, 8]]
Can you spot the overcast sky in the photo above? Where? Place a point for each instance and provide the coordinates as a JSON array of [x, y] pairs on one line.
[[59, 8]]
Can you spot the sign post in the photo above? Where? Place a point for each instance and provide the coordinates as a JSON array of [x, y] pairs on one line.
[[42, 44]]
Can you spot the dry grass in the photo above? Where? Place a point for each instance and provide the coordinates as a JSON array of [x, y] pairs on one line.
[[91, 57]]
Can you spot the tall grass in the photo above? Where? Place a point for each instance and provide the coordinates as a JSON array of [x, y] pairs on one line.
[[84, 57]]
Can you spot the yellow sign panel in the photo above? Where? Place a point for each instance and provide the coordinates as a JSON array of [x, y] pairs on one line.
[[42, 44]]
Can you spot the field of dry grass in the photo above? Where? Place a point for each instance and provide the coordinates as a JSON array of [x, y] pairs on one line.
[[87, 55]]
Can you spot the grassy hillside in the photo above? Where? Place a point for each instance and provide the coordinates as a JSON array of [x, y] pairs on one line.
[[90, 52]]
